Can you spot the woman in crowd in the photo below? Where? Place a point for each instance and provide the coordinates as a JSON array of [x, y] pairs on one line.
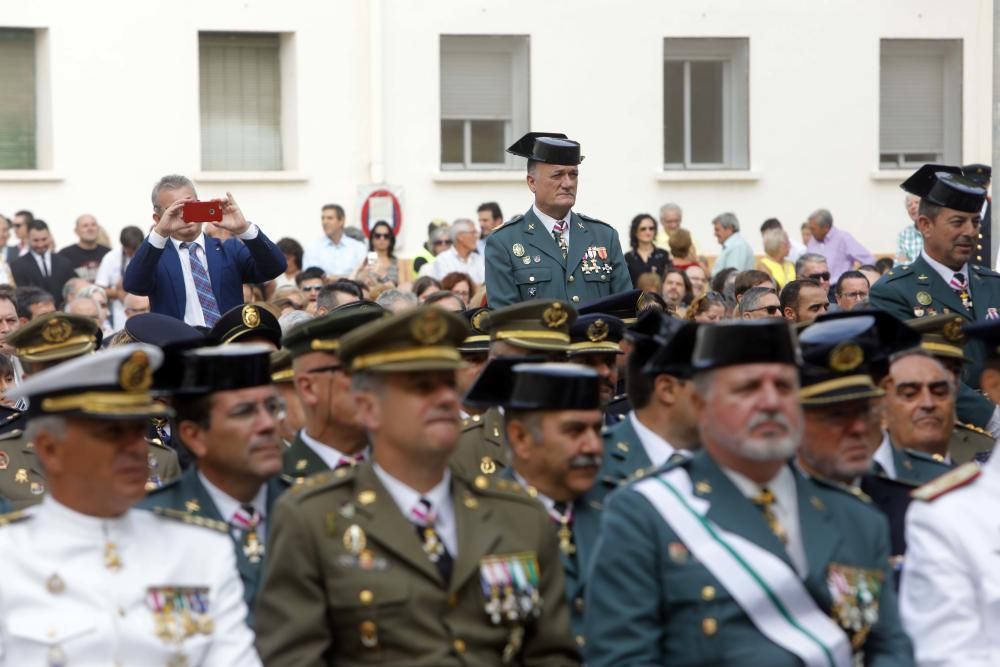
[[386, 269], [645, 257], [424, 286], [459, 284], [682, 249], [708, 308], [292, 250], [775, 260]]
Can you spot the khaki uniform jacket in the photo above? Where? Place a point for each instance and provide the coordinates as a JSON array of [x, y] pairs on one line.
[[482, 447], [328, 599]]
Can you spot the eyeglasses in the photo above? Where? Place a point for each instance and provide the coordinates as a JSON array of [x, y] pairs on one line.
[[381, 235], [856, 295], [771, 310], [444, 242], [272, 407], [820, 276], [311, 288]]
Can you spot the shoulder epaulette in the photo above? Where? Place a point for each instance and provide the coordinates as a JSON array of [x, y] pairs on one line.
[[643, 473], [502, 487], [11, 435], [156, 442], [897, 271], [11, 417], [591, 219], [191, 519], [984, 271], [469, 423], [169, 484], [323, 480], [974, 429], [513, 220], [949, 481], [14, 517], [924, 456], [849, 489]]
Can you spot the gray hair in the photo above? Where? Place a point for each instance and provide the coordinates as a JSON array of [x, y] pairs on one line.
[[461, 225], [752, 298], [822, 217], [71, 306], [292, 319], [392, 297], [670, 206], [169, 182], [727, 221], [90, 290], [54, 425], [773, 238], [806, 258]]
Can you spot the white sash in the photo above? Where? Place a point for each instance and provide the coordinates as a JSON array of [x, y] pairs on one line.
[[766, 587]]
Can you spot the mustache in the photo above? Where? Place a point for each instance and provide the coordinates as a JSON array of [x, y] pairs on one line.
[[769, 417], [585, 461]]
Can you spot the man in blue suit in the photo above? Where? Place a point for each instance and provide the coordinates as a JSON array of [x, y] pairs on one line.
[[189, 275]]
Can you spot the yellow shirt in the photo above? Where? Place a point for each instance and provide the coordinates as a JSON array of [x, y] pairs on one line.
[[783, 273]]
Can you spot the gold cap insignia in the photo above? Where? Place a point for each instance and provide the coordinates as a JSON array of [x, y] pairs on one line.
[[597, 331], [487, 466], [953, 330], [430, 328], [57, 330], [477, 320], [251, 318], [136, 373], [555, 316], [846, 357]]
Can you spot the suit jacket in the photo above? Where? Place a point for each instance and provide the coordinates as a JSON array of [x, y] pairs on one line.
[[13, 252], [157, 273], [916, 290], [187, 494], [523, 262], [624, 455], [482, 447], [669, 609], [26, 272], [348, 583]]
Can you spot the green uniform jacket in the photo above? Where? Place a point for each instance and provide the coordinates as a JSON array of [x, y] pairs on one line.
[[482, 447], [624, 455], [188, 494], [901, 291], [586, 524], [650, 602], [22, 480], [333, 599], [299, 461], [545, 275], [915, 467]]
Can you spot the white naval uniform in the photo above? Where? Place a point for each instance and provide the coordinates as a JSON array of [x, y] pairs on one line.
[[61, 605], [950, 589]]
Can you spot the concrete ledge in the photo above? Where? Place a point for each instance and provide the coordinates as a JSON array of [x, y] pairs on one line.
[[472, 176], [30, 176], [249, 177], [708, 176]]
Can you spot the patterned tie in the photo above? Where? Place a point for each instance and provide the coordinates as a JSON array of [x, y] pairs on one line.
[[562, 514], [245, 522], [559, 235], [962, 290], [209, 306], [352, 460], [422, 515], [765, 501]]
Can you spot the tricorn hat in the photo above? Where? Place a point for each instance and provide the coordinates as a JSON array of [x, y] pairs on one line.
[[549, 147]]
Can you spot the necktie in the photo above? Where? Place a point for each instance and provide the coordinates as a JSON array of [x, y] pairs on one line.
[[352, 460], [962, 290], [209, 306], [562, 514], [423, 517], [45, 266], [245, 522], [559, 235], [765, 501]]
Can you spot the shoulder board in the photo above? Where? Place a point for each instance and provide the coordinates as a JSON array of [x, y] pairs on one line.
[[323, 480], [949, 481], [473, 422], [191, 519], [515, 219], [14, 517], [156, 442], [897, 272], [849, 489], [501, 487], [169, 484], [924, 456], [11, 435], [11, 417], [642, 473], [590, 219], [974, 429], [984, 271]]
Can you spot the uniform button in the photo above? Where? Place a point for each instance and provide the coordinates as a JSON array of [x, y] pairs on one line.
[[579, 604], [576, 299], [366, 596], [604, 277], [580, 640], [979, 247], [531, 279], [459, 646], [708, 593], [571, 279], [452, 600], [709, 626]]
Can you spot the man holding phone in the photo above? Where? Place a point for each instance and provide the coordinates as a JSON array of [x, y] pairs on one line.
[[189, 275]]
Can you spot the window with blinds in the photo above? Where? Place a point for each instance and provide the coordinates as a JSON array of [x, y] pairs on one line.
[[484, 99], [240, 102], [920, 102], [705, 103], [18, 123]]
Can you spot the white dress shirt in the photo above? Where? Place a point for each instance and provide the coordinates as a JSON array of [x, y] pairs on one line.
[[883, 456], [44, 262], [450, 261], [228, 506], [331, 456], [407, 498], [785, 508], [657, 449], [63, 604], [336, 259], [943, 271], [550, 222]]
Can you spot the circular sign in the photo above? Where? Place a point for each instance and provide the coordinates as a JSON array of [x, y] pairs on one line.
[[397, 213]]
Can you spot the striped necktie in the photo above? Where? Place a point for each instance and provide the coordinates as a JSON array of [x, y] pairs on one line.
[[559, 235], [962, 290], [209, 306], [765, 502], [245, 522], [350, 460], [422, 515]]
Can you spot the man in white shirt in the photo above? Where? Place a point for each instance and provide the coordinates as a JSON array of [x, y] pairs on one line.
[[336, 253], [92, 581], [227, 417], [463, 256]]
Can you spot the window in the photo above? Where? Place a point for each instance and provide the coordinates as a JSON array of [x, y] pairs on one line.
[[705, 104], [920, 102], [484, 100], [240, 102], [18, 114]]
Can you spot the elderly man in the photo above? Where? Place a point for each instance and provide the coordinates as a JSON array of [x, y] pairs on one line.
[[909, 241], [334, 252], [109, 584], [671, 218], [462, 257], [732, 556], [758, 303], [401, 560], [842, 251], [736, 252], [811, 266], [552, 252], [942, 279], [803, 300], [193, 277]]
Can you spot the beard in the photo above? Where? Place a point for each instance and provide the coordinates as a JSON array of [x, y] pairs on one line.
[[772, 447]]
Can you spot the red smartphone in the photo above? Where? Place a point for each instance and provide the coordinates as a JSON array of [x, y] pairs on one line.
[[203, 211]]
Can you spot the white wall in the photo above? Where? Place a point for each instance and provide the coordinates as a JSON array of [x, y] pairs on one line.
[[123, 79]]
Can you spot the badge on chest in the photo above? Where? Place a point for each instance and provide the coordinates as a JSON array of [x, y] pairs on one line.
[[179, 612]]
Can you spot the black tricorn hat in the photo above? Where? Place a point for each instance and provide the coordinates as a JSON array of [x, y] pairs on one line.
[[550, 147], [554, 386], [676, 349], [947, 186], [980, 174], [496, 380], [734, 342]]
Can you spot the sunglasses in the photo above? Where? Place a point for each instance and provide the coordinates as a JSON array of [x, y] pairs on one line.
[[771, 310], [381, 235], [647, 229], [855, 295], [445, 242], [312, 288], [820, 276]]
